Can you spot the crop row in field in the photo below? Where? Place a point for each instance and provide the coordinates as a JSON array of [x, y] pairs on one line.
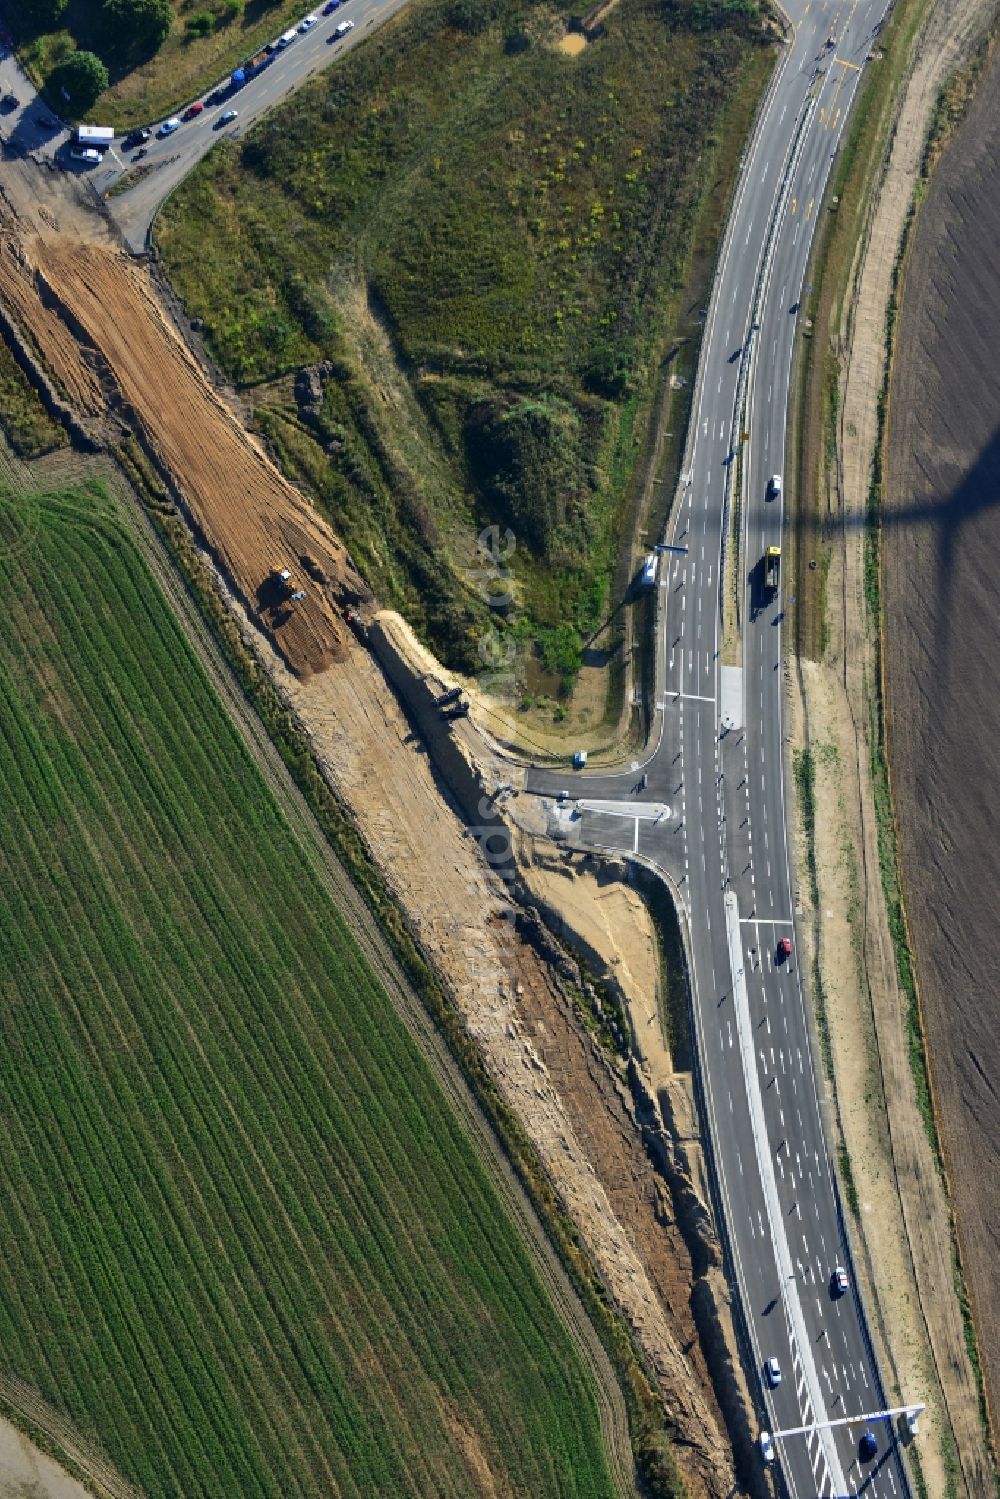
[[246, 1247]]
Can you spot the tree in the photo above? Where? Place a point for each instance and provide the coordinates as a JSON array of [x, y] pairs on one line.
[[137, 26], [43, 15], [78, 81]]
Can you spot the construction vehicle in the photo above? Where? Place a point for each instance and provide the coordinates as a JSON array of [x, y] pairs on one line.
[[772, 569]]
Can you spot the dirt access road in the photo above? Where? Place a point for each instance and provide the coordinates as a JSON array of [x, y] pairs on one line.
[[942, 540], [93, 316]]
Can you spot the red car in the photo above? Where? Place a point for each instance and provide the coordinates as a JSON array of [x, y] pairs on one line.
[[192, 110], [784, 949]]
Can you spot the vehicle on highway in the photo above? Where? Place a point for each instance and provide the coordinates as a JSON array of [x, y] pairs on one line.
[[774, 487], [344, 28], [169, 126], [193, 110], [784, 949], [839, 1281], [766, 1447], [772, 1373], [331, 6], [227, 118], [140, 154], [868, 1447], [219, 95], [285, 40], [772, 569], [86, 154], [136, 138], [649, 571], [9, 102], [307, 23]]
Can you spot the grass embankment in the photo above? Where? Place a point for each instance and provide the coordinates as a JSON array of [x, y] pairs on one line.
[[147, 88], [247, 1248], [27, 425], [478, 235]]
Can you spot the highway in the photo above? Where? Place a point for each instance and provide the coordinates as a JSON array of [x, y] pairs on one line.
[[717, 777]]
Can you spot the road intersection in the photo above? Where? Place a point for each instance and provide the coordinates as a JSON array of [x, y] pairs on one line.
[[718, 768]]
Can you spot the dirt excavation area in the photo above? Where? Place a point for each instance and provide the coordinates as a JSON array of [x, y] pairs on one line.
[[92, 316], [942, 539]]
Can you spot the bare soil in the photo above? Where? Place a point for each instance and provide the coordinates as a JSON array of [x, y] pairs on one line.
[[93, 317], [942, 535]]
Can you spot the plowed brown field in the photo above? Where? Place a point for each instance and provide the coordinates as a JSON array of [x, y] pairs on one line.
[[941, 541], [254, 520]]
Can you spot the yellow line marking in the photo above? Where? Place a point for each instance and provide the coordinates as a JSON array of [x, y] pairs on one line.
[[810, 208], [794, 201], [845, 64], [822, 115]]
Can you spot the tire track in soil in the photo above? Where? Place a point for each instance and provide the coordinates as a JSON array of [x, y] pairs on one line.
[[364, 928]]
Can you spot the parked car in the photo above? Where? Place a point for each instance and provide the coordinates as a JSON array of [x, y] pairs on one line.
[[217, 96], [307, 23], [330, 7], [193, 110], [766, 1447], [9, 102], [169, 126], [839, 1281], [772, 1373], [136, 138], [86, 154]]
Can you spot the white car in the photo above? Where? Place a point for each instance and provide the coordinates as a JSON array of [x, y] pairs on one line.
[[772, 1373], [766, 1447], [169, 126], [307, 23], [87, 154], [838, 1281], [228, 117], [344, 28], [774, 487]]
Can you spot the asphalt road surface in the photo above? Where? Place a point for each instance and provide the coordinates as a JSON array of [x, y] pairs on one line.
[[718, 771], [167, 161]]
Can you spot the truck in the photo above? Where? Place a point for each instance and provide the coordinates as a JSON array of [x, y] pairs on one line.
[[251, 67], [772, 569], [97, 137]]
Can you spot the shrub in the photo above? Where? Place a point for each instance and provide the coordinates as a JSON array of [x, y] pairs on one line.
[[78, 81]]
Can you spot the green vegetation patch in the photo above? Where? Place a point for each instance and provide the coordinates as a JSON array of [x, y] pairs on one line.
[[28, 427], [247, 1248], [474, 239]]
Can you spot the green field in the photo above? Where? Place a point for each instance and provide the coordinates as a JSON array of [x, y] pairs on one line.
[[483, 238], [245, 1246]]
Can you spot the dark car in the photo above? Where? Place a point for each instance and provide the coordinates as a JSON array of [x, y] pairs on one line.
[[868, 1447], [217, 96], [9, 102], [137, 138], [330, 7]]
